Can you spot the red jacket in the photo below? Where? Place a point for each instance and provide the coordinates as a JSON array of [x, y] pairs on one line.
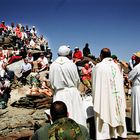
[[3, 26], [77, 54]]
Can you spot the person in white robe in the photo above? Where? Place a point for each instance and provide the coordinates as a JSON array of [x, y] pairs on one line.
[[108, 98], [65, 80], [134, 76]]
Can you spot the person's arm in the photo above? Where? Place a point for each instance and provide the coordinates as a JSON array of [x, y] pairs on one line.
[[43, 68], [133, 73]]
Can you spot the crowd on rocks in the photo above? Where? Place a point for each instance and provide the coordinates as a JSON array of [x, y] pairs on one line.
[[20, 43], [103, 77]]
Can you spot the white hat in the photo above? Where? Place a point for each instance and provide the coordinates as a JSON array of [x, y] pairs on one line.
[[76, 47], [33, 26], [63, 50]]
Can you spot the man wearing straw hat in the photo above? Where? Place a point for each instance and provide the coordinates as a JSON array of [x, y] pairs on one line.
[[134, 76]]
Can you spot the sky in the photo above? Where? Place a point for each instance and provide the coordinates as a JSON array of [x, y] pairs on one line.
[[114, 24]]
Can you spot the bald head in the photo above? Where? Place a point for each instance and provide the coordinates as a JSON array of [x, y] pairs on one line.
[[105, 52], [58, 110]]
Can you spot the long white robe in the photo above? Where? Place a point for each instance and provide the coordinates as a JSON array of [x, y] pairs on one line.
[[134, 76], [109, 100], [65, 80]]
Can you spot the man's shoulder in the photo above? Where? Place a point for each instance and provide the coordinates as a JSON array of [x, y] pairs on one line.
[[41, 133], [66, 128]]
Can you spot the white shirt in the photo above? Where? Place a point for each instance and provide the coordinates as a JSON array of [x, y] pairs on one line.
[[25, 67], [43, 61]]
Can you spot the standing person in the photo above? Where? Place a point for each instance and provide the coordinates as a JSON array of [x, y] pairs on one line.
[[86, 50], [33, 32], [65, 80], [134, 76], [49, 55], [63, 128], [108, 98]]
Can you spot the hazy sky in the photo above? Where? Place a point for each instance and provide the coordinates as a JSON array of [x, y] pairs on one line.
[[101, 23]]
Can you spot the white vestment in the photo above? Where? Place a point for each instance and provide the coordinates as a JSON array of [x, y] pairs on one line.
[[109, 100], [65, 80], [134, 76]]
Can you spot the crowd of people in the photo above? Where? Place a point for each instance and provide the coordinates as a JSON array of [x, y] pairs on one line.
[[104, 79], [18, 43]]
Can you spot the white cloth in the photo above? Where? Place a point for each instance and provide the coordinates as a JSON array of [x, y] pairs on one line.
[[65, 80], [109, 100], [88, 106], [134, 76], [32, 43], [25, 67], [43, 61], [2, 71]]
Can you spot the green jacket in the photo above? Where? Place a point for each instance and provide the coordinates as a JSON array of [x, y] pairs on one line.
[[62, 129]]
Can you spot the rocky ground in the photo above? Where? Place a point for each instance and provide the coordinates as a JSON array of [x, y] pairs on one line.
[[19, 123]]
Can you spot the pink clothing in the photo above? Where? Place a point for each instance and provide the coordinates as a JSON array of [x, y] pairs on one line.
[[86, 73], [18, 32]]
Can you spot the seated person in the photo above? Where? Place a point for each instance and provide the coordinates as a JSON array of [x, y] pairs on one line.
[[30, 57], [77, 54], [42, 62], [25, 70], [44, 88], [86, 75], [62, 127]]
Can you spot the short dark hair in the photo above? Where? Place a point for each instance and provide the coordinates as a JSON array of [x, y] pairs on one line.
[[105, 52], [58, 110]]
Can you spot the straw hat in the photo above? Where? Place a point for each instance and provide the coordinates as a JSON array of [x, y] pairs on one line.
[[137, 54]]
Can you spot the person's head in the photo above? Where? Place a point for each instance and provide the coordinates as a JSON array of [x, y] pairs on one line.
[[41, 37], [27, 27], [63, 51], [17, 26], [3, 22], [22, 29], [33, 28], [58, 110], [70, 55], [137, 57], [115, 58], [86, 45], [4, 47], [42, 55], [76, 49], [12, 24], [26, 60], [105, 52], [87, 66]]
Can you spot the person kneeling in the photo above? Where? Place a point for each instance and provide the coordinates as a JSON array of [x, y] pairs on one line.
[[62, 127]]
